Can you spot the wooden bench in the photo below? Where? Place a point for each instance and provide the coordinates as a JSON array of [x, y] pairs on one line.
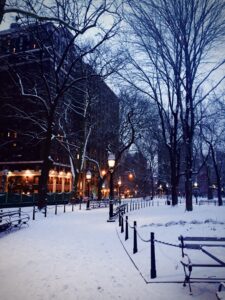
[[13, 218], [121, 209], [200, 243], [99, 204]]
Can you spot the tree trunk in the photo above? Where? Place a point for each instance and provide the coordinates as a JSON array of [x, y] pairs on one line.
[[218, 180], [209, 183], [188, 177], [174, 181], [47, 163], [100, 182]]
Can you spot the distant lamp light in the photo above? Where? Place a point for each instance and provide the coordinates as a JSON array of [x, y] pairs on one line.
[[88, 175], [103, 172], [111, 160], [28, 173], [195, 184], [119, 182], [130, 176]]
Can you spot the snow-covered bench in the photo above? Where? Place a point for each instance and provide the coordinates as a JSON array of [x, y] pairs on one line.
[[99, 204], [13, 218], [200, 243]]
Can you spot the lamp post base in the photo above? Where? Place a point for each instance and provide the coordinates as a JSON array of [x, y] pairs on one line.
[[111, 220], [111, 217]]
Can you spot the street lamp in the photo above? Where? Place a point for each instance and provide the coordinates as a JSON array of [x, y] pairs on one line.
[[119, 185], [111, 164], [195, 187], [167, 192], [88, 177]]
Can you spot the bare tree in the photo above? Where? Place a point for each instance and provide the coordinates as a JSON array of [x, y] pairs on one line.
[[59, 67], [175, 39], [213, 135]]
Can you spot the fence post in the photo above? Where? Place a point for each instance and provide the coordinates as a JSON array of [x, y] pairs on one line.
[[45, 211], [122, 228], [72, 207], [19, 211], [182, 245], [56, 209], [64, 210], [126, 229], [153, 265], [135, 250], [33, 212], [88, 204], [119, 218]]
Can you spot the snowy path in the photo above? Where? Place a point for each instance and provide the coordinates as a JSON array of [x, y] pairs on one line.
[[77, 255]]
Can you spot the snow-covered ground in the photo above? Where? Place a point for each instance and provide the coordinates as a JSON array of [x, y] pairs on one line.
[[79, 255]]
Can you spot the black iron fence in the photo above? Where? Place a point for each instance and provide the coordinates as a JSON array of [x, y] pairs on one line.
[[21, 200]]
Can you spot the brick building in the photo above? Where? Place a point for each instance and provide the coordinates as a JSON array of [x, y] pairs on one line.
[[34, 70]]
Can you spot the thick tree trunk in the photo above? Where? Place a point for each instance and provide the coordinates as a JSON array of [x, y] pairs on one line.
[[43, 181], [2, 6], [152, 184], [174, 181], [218, 180], [100, 182], [209, 183], [188, 178]]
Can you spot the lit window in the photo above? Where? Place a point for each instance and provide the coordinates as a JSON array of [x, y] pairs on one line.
[[14, 144]]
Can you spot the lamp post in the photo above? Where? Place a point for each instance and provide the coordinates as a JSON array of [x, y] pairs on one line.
[[195, 188], [167, 193], [111, 164], [88, 177], [119, 185]]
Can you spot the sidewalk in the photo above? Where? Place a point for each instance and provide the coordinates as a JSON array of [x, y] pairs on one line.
[[75, 256]]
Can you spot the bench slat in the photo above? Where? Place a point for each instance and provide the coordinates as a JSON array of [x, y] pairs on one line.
[[199, 246], [199, 238]]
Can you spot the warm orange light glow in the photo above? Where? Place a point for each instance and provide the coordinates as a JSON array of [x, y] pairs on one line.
[[130, 176], [28, 173], [88, 175], [103, 172]]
